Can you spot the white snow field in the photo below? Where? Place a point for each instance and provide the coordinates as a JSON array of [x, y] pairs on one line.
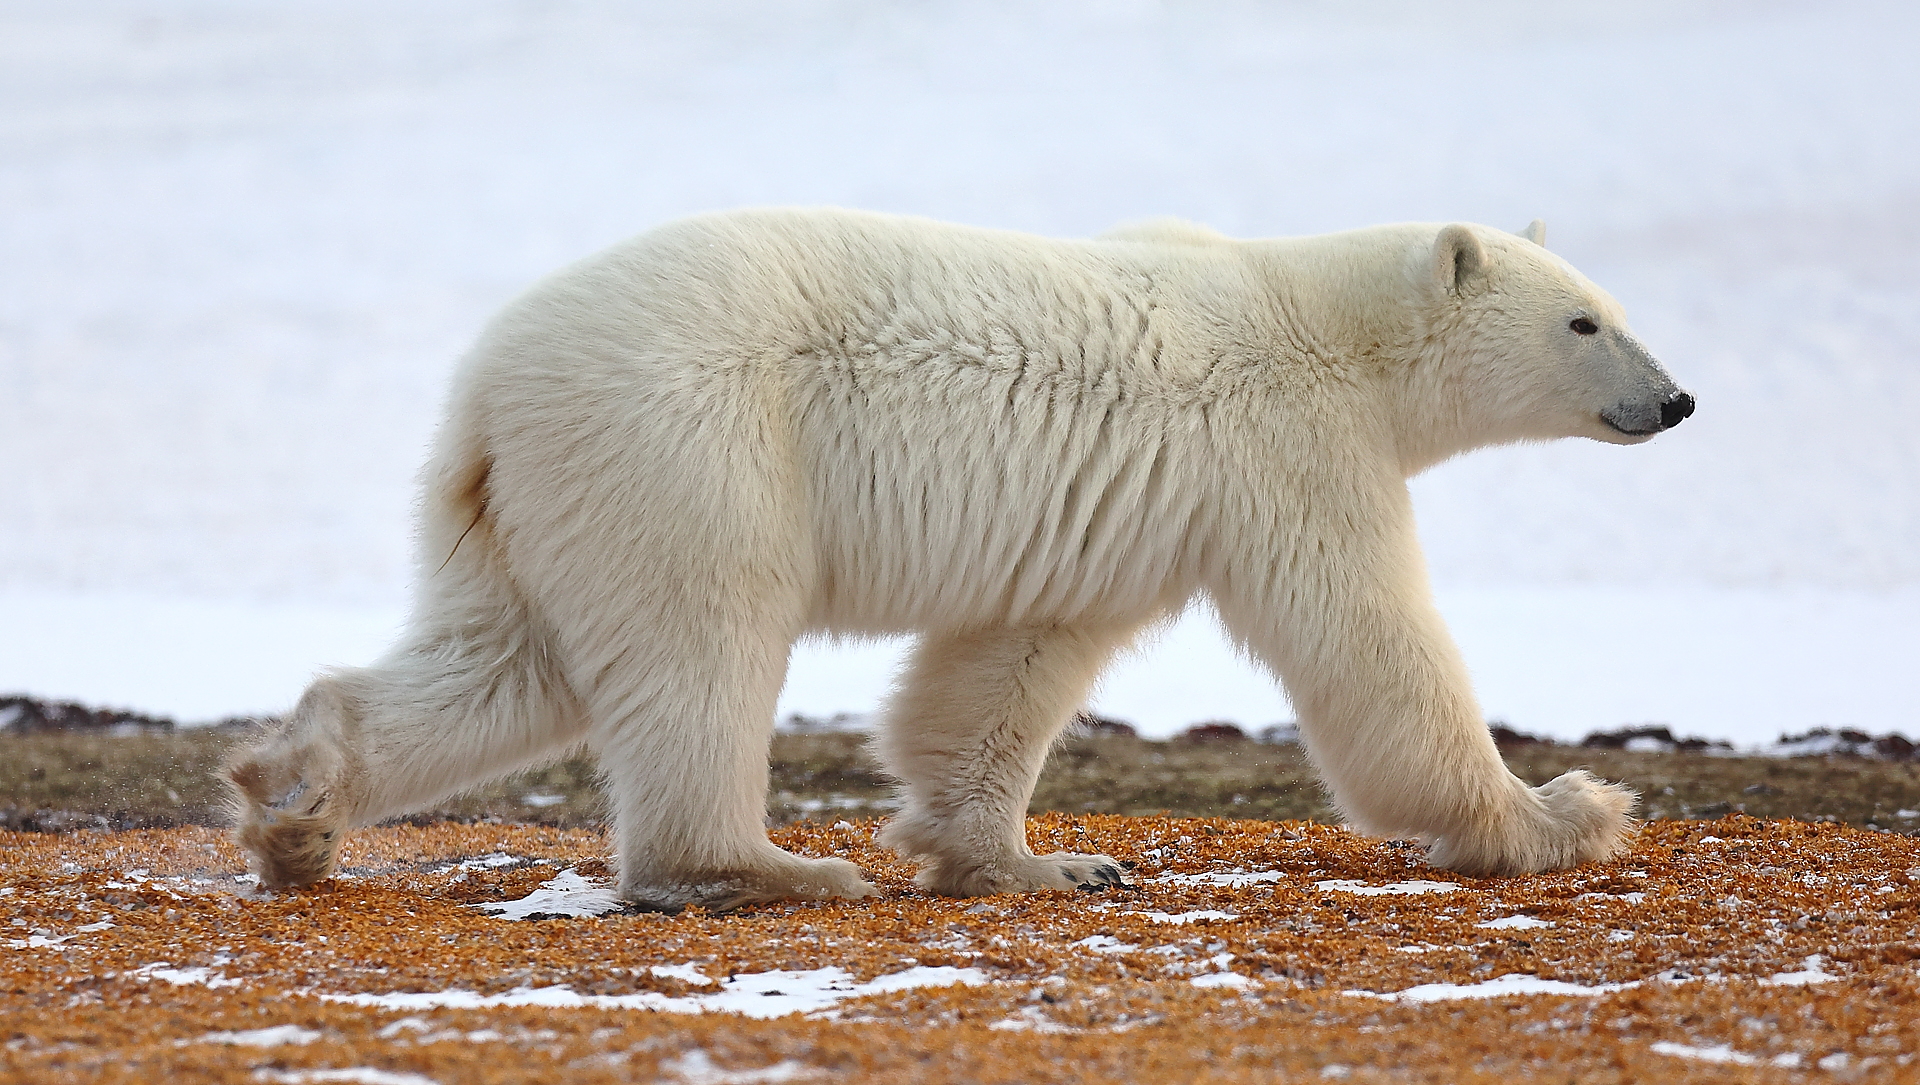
[[241, 246]]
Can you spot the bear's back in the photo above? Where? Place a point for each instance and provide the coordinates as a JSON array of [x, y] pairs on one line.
[[884, 295]]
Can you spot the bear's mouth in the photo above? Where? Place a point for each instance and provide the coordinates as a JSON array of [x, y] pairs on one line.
[[1618, 428]]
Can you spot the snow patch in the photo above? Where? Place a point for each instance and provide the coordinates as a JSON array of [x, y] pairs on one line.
[[568, 893], [1102, 943], [183, 977], [39, 941], [1514, 923], [355, 1075], [751, 994], [1230, 879], [1722, 1053], [1497, 987], [1032, 1019], [696, 1068], [1362, 889], [1630, 898], [491, 862], [1810, 972], [259, 1037], [1184, 917]]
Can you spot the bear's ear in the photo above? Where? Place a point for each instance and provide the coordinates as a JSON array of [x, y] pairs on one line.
[[1458, 258], [1536, 232]]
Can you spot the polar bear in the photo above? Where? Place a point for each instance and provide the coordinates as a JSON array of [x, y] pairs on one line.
[[665, 464]]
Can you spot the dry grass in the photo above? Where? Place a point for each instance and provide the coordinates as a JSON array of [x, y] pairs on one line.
[[90, 779], [64, 780]]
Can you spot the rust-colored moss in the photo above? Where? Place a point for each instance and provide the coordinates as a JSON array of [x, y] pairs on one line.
[[1699, 913]]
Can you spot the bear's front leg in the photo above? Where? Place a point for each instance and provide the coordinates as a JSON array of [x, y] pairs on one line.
[[967, 735], [1387, 709]]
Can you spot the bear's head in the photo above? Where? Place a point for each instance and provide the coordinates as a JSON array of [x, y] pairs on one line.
[[1519, 346]]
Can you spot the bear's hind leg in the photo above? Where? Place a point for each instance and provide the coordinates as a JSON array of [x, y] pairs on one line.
[[458, 703], [967, 735], [290, 827], [683, 737]]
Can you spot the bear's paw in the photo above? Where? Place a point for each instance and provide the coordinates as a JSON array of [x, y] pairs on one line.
[[790, 878], [1572, 819], [1022, 874]]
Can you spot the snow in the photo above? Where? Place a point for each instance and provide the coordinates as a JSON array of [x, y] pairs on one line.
[[184, 977], [568, 894], [353, 1075], [1514, 923], [1032, 1019], [1809, 973], [261, 1037], [1362, 889], [696, 1067], [491, 861], [1724, 1053], [1178, 918], [1630, 898], [685, 973], [245, 245], [749, 994], [1717, 1053], [1518, 984], [1497, 987], [1105, 943], [1229, 879], [39, 941]]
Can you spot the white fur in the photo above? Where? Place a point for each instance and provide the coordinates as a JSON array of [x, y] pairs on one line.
[[665, 464]]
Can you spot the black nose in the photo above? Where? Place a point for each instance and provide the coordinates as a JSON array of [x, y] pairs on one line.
[[1675, 409]]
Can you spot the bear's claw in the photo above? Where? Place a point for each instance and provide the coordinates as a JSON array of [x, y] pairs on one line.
[[1104, 876]]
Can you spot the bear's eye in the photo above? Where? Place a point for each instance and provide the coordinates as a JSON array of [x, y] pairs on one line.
[[1584, 326]]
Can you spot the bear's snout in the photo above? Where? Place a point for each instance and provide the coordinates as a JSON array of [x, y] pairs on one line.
[[1676, 409]]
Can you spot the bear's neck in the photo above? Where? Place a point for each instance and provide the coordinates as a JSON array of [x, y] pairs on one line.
[[1347, 305]]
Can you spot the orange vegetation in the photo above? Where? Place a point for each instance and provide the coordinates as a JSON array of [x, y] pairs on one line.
[[1743, 950]]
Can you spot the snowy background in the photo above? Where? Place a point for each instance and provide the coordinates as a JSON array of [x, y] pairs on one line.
[[241, 245]]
